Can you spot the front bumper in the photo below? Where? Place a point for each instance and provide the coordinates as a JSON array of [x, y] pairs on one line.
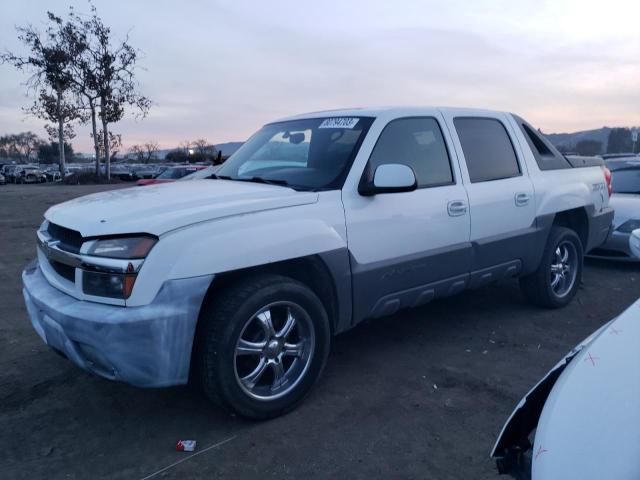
[[148, 346]]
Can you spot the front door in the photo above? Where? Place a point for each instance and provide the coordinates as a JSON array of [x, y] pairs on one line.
[[407, 248]]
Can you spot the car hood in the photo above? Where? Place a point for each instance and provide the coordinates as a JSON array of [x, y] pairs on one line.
[[590, 423], [147, 181], [626, 206], [160, 208]]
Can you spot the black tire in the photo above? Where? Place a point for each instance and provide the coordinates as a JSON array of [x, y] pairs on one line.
[[226, 318], [537, 287]]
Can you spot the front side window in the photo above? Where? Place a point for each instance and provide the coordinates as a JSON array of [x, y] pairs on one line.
[[417, 143], [487, 149], [304, 154]]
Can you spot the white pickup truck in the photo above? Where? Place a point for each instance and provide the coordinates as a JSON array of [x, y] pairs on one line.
[[318, 222]]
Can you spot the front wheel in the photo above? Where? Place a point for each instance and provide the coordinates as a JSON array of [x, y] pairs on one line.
[[261, 346], [556, 281]]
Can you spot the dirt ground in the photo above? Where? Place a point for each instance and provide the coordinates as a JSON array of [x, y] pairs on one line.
[[421, 394]]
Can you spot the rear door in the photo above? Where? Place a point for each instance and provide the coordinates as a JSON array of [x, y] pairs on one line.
[[500, 192]]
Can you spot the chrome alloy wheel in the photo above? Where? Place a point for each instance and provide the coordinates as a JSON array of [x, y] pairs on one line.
[[564, 268], [274, 350]]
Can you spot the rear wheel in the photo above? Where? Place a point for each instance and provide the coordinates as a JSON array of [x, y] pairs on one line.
[[556, 281], [262, 345]]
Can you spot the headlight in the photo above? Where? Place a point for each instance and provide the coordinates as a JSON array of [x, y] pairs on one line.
[[629, 226], [103, 281], [124, 247]]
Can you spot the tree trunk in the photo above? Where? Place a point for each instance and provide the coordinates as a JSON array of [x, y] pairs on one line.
[[60, 133], [96, 140], [107, 159], [105, 138]]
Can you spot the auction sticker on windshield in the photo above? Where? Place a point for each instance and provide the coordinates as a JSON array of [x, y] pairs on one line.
[[340, 122]]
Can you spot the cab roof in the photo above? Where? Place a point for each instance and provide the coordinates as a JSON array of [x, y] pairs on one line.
[[390, 111]]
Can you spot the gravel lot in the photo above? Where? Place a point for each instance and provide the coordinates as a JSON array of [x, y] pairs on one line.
[[421, 394]]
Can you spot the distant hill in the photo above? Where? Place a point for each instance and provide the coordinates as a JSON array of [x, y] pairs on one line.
[[568, 141]]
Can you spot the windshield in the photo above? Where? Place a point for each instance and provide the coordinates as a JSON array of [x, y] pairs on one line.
[[176, 173], [626, 180], [303, 154]]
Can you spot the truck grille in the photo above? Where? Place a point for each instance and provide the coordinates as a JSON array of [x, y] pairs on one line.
[[65, 271], [70, 240]]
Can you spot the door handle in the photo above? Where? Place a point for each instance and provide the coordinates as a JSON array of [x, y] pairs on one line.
[[456, 208], [522, 199]]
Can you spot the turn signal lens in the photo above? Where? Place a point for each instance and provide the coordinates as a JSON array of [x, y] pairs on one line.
[[127, 288]]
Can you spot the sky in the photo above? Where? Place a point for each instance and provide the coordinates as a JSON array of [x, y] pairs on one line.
[[219, 70]]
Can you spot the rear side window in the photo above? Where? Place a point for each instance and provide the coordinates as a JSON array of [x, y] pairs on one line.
[[418, 143], [487, 149], [547, 156]]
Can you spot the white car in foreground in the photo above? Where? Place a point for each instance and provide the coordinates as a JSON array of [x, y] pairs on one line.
[[584, 415], [634, 243], [316, 223]]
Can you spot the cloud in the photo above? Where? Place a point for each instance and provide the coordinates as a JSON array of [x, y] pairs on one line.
[[219, 70]]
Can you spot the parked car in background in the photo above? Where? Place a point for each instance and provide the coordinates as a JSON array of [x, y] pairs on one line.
[[29, 175], [613, 156], [53, 173], [625, 200], [9, 172], [171, 174], [203, 173], [582, 420], [2, 179], [139, 172], [123, 172], [316, 223]]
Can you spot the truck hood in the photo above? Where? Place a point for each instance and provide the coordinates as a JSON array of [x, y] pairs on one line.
[[157, 209]]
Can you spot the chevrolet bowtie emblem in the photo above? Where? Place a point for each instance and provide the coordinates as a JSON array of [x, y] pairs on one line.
[[48, 245]]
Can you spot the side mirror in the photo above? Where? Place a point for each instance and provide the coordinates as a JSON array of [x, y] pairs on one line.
[[390, 178]]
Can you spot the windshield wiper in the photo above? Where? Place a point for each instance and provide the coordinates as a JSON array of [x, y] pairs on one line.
[[282, 183], [266, 181], [220, 177]]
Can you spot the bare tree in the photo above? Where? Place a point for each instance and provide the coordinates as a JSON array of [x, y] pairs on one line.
[[21, 145], [203, 147], [138, 151], [49, 63], [150, 148]]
